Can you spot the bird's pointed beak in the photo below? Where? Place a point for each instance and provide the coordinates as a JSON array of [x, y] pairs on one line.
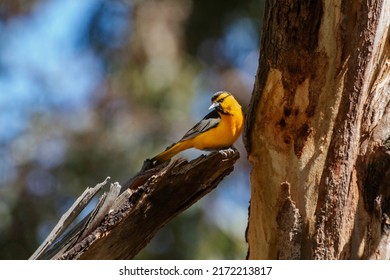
[[214, 105]]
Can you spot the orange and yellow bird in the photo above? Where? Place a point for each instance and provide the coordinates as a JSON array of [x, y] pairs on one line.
[[217, 130]]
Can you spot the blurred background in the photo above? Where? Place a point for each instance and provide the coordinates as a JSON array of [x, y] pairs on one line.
[[90, 89]]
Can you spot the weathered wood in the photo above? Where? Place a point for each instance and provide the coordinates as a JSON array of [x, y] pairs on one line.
[[68, 218], [319, 121], [337, 213], [148, 203], [103, 207]]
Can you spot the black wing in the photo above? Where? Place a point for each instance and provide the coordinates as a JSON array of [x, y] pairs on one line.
[[211, 120]]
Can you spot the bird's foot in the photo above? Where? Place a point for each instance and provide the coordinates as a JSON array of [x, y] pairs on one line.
[[228, 152]]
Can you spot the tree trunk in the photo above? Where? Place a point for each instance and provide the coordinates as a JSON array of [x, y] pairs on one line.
[[318, 132]]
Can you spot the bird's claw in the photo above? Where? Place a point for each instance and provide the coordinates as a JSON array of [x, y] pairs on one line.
[[227, 152]]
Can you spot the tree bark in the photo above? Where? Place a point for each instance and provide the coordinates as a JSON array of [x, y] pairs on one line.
[[318, 132]]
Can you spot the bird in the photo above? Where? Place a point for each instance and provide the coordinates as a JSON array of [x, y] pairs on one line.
[[218, 130]]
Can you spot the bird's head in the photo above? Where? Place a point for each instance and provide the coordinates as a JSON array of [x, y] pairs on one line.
[[224, 103]]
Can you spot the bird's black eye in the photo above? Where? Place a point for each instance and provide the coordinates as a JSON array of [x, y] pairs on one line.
[[218, 95], [223, 98]]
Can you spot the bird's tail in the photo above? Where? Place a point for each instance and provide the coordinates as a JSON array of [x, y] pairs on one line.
[[171, 151]]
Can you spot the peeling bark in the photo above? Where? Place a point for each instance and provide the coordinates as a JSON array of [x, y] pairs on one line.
[[319, 120], [289, 224]]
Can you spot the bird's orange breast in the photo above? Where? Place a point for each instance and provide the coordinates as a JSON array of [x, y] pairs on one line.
[[222, 136]]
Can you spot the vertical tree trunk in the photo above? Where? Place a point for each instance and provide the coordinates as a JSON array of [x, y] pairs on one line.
[[318, 132]]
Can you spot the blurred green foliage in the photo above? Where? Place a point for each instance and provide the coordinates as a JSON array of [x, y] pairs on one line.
[[137, 76]]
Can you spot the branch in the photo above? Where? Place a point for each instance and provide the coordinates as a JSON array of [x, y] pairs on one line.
[[68, 218], [150, 200]]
